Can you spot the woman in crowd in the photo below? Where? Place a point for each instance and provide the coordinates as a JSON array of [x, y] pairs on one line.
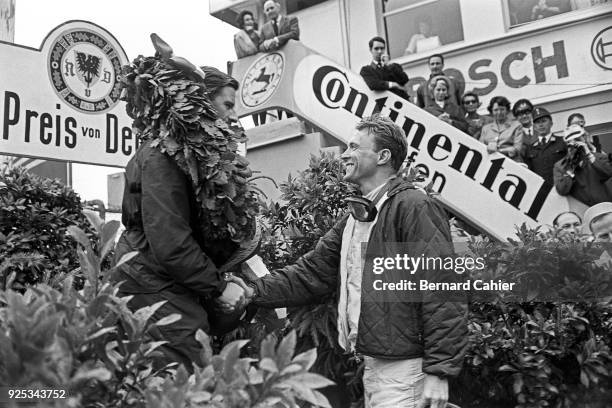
[[504, 134], [246, 41], [441, 107], [475, 121]]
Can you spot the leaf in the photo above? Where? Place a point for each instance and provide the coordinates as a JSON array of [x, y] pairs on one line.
[[94, 220], [79, 236], [285, 349], [268, 364], [107, 237], [312, 380], [164, 321], [306, 359], [126, 257], [100, 332]]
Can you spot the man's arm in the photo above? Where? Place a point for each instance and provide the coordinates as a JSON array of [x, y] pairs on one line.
[[563, 178], [444, 314], [399, 75], [371, 79], [292, 34], [602, 163], [166, 223], [310, 280]]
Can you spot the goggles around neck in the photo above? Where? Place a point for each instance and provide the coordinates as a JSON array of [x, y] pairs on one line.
[[363, 209]]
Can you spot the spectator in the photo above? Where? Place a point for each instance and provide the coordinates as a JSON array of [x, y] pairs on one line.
[[598, 221], [279, 29], [424, 40], [541, 155], [475, 121], [522, 111], [543, 10], [246, 41], [503, 135], [578, 119], [583, 173], [568, 223], [423, 343], [442, 108], [436, 66], [379, 75]]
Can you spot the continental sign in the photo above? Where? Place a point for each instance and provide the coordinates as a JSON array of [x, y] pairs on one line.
[[490, 190], [61, 101]]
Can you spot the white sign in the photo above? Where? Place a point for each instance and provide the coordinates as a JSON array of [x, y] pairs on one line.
[[552, 65], [492, 191], [61, 101]]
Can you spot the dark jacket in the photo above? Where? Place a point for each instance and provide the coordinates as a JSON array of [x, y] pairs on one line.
[[160, 214], [389, 328], [457, 115], [591, 182], [289, 29], [377, 79], [542, 158]]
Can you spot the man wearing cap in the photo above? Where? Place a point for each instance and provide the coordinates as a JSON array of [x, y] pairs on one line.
[[546, 148], [583, 173], [598, 220], [411, 344]]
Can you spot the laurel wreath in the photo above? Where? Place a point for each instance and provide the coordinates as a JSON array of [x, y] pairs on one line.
[[172, 111]]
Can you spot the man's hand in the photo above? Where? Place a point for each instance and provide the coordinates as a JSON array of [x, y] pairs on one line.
[[395, 85], [232, 297], [435, 392], [249, 292], [268, 44]]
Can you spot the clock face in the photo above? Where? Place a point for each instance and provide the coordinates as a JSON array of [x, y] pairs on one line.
[[262, 79]]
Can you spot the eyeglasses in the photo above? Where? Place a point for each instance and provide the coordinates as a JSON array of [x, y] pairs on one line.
[[470, 102]]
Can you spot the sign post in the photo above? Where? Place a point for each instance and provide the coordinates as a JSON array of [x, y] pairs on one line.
[[61, 101]]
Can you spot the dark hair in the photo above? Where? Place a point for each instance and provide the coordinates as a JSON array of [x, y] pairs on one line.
[[387, 135], [556, 220], [500, 100], [377, 38], [519, 103], [472, 94], [216, 80], [240, 18], [574, 115], [434, 56]]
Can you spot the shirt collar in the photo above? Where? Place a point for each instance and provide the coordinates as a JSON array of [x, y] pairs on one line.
[[546, 138]]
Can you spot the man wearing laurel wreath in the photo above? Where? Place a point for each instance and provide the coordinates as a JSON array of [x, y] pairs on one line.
[[188, 209]]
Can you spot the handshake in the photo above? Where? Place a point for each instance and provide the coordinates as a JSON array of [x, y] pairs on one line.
[[236, 296]]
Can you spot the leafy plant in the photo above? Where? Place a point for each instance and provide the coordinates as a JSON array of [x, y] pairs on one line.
[[35, 214]]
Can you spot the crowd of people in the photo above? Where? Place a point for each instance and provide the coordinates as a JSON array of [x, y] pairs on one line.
[[572, 160]]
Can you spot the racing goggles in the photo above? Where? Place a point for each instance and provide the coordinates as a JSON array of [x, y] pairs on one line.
[[361, 208]]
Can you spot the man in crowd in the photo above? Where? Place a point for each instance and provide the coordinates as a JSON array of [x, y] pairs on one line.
[[583, 173], [547, 149], [379, 75], [175, 264], [522, 111], [279, 29], [410, 347], [436, 67], [598, 220]]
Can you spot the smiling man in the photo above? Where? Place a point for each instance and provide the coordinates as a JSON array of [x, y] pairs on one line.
[[410, 347], [279, 29]]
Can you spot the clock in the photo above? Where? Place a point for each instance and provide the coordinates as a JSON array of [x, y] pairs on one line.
[[262, 79]]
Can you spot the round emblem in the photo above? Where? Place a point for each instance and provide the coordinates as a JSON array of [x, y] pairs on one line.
[[84, 69], [262, 79], [601, 48]]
